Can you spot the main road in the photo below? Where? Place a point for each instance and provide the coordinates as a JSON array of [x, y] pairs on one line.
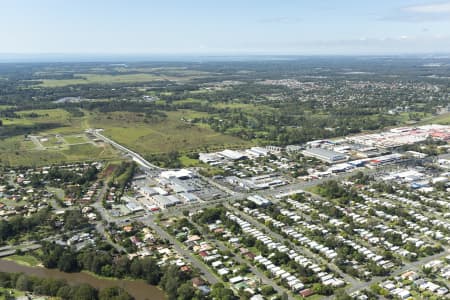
[[136, 157]]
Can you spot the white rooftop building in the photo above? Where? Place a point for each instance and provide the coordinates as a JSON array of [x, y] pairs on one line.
[[325, 155], [180, 174]]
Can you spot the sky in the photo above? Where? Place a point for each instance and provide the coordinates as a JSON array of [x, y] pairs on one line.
[[228, 27]]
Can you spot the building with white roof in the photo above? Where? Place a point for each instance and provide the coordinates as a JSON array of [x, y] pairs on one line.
[[232, 155], [326, 155]]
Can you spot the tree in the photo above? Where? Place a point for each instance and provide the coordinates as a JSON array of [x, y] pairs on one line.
[[171, 281], [267, 290], [122, 267], [84, 291], [114, 293], [186, 291], [151, 271], [64, 292], [23, 283], [50, 286], [322, 289], [5, 230], [427, 271], [219, 292], [73, 219], [136, 268], [342, 295], [68, 262]]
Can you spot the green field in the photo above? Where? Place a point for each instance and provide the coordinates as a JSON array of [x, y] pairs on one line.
[[190, 101], [55, 121], [175, 75], [68, 142], [190, 162], [443, 119], [167, 71], [59, 193], [244, 106], [100, 79], [171, 134], [18, 149], [43, 116], [3, 107], [51, 141], [10, 292], [75, 139], [15, 152], [26, 260]]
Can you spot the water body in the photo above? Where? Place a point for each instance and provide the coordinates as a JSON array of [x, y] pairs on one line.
[[139, 289]]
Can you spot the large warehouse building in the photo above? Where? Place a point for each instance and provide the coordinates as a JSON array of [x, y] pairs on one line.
[[328, 156]]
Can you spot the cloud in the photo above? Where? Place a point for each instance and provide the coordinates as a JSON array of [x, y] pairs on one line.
[[435, 8], [388, 44], [433, 12]]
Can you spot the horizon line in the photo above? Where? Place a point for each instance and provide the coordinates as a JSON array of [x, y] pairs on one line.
[[60, 57]]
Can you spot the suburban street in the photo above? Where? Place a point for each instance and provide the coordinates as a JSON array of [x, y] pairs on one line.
[[280, 290], [149, 221], [302, 250]]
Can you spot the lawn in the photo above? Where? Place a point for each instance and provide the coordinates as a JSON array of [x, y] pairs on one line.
[[26, 260], [51, 141], [59, 193], [10, 292], [12, 202], [443, 119], [75, 139], [4, 107], [17, 143], [190, 162], [90, 152]]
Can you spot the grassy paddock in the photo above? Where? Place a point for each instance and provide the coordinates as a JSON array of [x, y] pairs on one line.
[[171, 134], [441, 119], [12, 292], [16, 151], [100, 79], [75, 139], [26, 260]]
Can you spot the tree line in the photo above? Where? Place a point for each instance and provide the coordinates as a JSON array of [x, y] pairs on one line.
[[59, 288], [176, 283]]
